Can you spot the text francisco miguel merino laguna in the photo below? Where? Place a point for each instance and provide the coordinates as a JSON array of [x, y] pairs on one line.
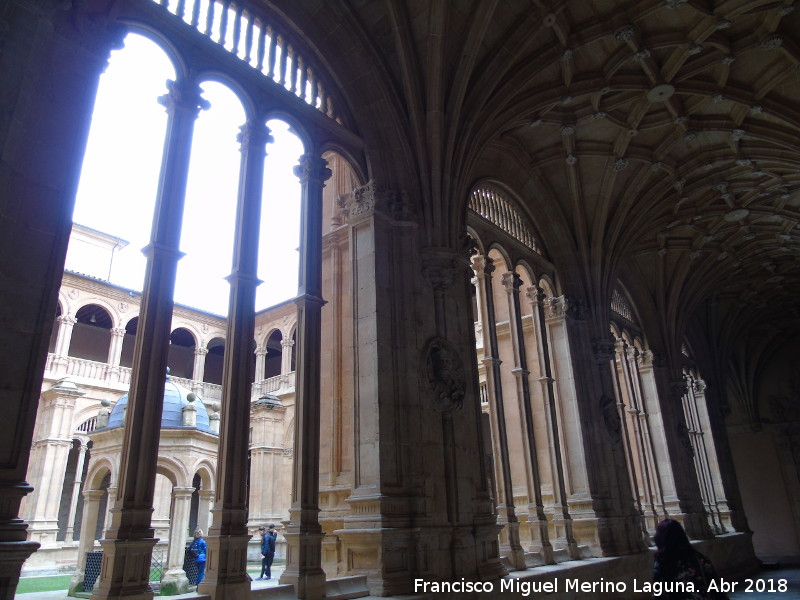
[[526, 588]]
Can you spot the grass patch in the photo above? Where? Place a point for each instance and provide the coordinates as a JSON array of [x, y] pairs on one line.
[[43, 584]]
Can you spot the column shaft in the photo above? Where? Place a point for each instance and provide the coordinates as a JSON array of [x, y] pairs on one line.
[[304, 534], [505, 489], [129, 543], [226, 575], [76, 490], [174, 580]]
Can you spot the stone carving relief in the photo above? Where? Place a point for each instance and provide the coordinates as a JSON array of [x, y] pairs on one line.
[[445, 374], [371, 197], [608, 409], [686, 443], [441, 268]]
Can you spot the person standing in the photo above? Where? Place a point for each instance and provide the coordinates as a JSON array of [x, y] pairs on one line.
[[267, 550], [198, 549]]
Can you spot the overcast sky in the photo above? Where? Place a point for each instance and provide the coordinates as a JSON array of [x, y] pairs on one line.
[[120, 176]]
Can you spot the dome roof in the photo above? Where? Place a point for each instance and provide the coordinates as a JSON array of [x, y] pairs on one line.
[[175, 398]]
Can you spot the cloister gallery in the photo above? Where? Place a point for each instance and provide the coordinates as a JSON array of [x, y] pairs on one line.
[[548, 295]]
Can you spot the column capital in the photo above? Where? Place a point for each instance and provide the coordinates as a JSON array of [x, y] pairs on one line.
[[254, 135], [366, 200], [183, 94], [287, 342], [535, 295], [202, 351], [312, 169], [511, 281], [118, 331], [67, 320], [478, 264], [678, 388]]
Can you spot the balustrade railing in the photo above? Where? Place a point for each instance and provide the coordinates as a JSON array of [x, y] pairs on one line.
[[258, 43]]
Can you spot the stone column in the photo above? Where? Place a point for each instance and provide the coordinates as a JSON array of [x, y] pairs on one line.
[[76, 490], [129, 541], [66, 324], [537, 518], [287, 347], [483, 269], [562, 520], [657, 435], [199, 366], [91, 508], [672, 390], [266, 456], [115, 349], [303, 532], [204, 506], [174, 580], [261, 352], [49, 457], [226, 565]]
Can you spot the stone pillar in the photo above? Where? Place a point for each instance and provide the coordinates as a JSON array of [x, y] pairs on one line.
[[261, 353], [199, 367], [537, 518], [49, 51], [49, 457], [174, 580], [303, 532], [577, 494], [562, 520], [66, 324], [672, 390], [483, 268], [91, 508], [204, 506], [129, 541], [76, 490], [287, 347], [655, 434], [115, 349], [266, 456], [226, 565]]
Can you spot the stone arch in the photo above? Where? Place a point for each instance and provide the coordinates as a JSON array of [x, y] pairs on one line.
[[182, 344], [273, 356], [129, 342], [214, 361], [91, 335]]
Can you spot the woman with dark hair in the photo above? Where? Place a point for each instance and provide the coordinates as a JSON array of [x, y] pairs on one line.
[[682, 572]]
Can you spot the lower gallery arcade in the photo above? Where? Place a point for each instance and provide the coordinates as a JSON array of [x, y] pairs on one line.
[[435, 405]]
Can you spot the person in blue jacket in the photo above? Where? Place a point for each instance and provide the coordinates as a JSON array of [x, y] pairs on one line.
[[198, 549], [267, 550]]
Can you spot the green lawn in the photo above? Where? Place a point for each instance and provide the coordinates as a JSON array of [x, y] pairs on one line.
[[43, 584]]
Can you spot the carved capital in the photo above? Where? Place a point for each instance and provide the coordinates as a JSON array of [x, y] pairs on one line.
[[200, 351], [478, 264], [646, 359], [67, 320], [254, 135], [287, 342], [183, 95], [118, 331], [535, 295], [511, 282], [555, 307], [371, 198], [699, 386], [313, 170]]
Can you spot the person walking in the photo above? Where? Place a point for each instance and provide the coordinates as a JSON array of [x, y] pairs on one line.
[[198, 550], [267, 550]]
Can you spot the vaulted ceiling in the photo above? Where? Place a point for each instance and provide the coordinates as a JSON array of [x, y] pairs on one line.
[[656, 140]]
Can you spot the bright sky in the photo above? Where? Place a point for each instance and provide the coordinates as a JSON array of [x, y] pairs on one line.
[[118, 183]]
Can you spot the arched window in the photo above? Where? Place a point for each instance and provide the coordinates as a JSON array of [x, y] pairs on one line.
[[181, 353], [212, 373], [91, 335], [128, 342], [274, 355]]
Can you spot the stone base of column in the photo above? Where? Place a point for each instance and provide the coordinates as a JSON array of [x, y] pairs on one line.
[[515, 554], [12, 556], [563, 537], [44, 532], [226, 567], [696, 526], [303, 563], [174, 582], [621, 535], [130, 561]]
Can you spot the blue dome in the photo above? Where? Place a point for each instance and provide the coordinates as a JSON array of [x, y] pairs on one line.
[[175, 398]]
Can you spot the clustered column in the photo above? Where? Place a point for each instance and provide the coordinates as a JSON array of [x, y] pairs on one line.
[[537, 518], [130, 539], [226, 575], [483, 268], [303, 533]]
